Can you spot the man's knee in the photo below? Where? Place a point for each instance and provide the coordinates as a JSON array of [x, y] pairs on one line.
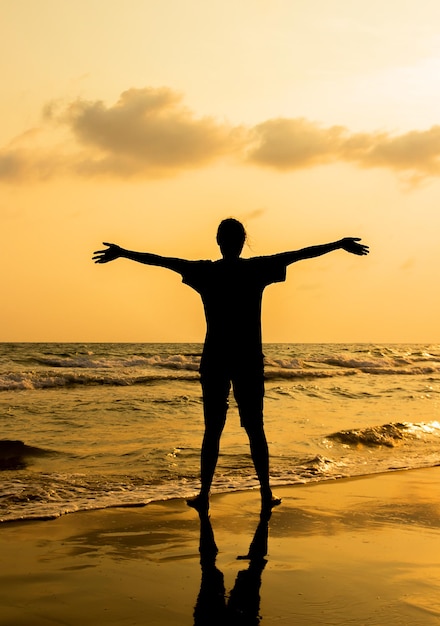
[[214, 423], [254, 428], [251, 416], [215, 410]]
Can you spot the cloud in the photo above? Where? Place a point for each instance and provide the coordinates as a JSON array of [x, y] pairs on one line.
[[415, 151], [147, 132], [150, 133], [290, 144], [253, 215], [27, 157]]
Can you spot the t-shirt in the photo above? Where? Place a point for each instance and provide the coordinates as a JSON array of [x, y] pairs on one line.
[[231, 292]]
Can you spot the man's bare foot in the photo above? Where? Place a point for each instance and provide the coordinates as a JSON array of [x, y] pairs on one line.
[[199, 503], [267, 504]]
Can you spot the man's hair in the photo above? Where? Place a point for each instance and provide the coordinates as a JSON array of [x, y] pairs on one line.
[[231, 231]]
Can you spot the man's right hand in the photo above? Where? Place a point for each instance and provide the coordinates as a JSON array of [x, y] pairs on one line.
[[110, 254]]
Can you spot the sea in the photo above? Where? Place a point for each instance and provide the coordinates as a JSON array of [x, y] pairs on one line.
[[98, 425]]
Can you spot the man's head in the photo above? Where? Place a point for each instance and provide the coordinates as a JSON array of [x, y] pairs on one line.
[[231, 236]]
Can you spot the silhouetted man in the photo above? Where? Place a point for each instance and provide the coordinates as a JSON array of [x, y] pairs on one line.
[[231, 290]]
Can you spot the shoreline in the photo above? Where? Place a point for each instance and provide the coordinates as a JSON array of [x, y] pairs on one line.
[[362, 550], [216, 494]]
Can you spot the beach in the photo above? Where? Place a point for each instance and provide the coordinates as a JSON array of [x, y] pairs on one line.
[[347, 551]]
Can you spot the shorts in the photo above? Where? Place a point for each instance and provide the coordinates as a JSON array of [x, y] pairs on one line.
[[248, 388]]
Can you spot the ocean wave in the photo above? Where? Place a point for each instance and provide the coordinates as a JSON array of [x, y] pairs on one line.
[[385, 435], [14, 454], [52, 380], [383, 363], [414, 363], [43, 497], [51, 366], [387, 365], [321, 466], [272, 373], [172, 361]]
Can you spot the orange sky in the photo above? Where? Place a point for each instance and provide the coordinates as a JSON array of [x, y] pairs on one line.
[[146, 123]]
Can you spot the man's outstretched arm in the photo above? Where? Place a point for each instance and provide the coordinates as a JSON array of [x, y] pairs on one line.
[[349, 244], [113, 252]]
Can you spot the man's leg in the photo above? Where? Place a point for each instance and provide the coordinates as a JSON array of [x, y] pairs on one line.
[[260, 457], [215, 406], [209, 455], [249, 393]]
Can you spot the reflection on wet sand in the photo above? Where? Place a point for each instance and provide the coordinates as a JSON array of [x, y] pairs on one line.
[[242, 607]]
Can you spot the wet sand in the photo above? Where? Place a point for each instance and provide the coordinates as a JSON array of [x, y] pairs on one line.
[[355, 551]]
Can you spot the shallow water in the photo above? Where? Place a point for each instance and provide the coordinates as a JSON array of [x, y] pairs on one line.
[[110, 424]]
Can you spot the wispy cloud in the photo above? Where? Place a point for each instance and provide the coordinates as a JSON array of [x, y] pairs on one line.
[[26, 158], [150, 133]]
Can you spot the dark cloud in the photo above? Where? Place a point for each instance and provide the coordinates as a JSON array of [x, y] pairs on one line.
[[149, 133]]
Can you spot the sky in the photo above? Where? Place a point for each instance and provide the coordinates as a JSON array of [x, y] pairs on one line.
[[146, 123]]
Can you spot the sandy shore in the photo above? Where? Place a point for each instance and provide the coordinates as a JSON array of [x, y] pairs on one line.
[[364, 551]]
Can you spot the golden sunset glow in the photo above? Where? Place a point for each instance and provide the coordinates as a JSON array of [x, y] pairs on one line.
[[146, 123]]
